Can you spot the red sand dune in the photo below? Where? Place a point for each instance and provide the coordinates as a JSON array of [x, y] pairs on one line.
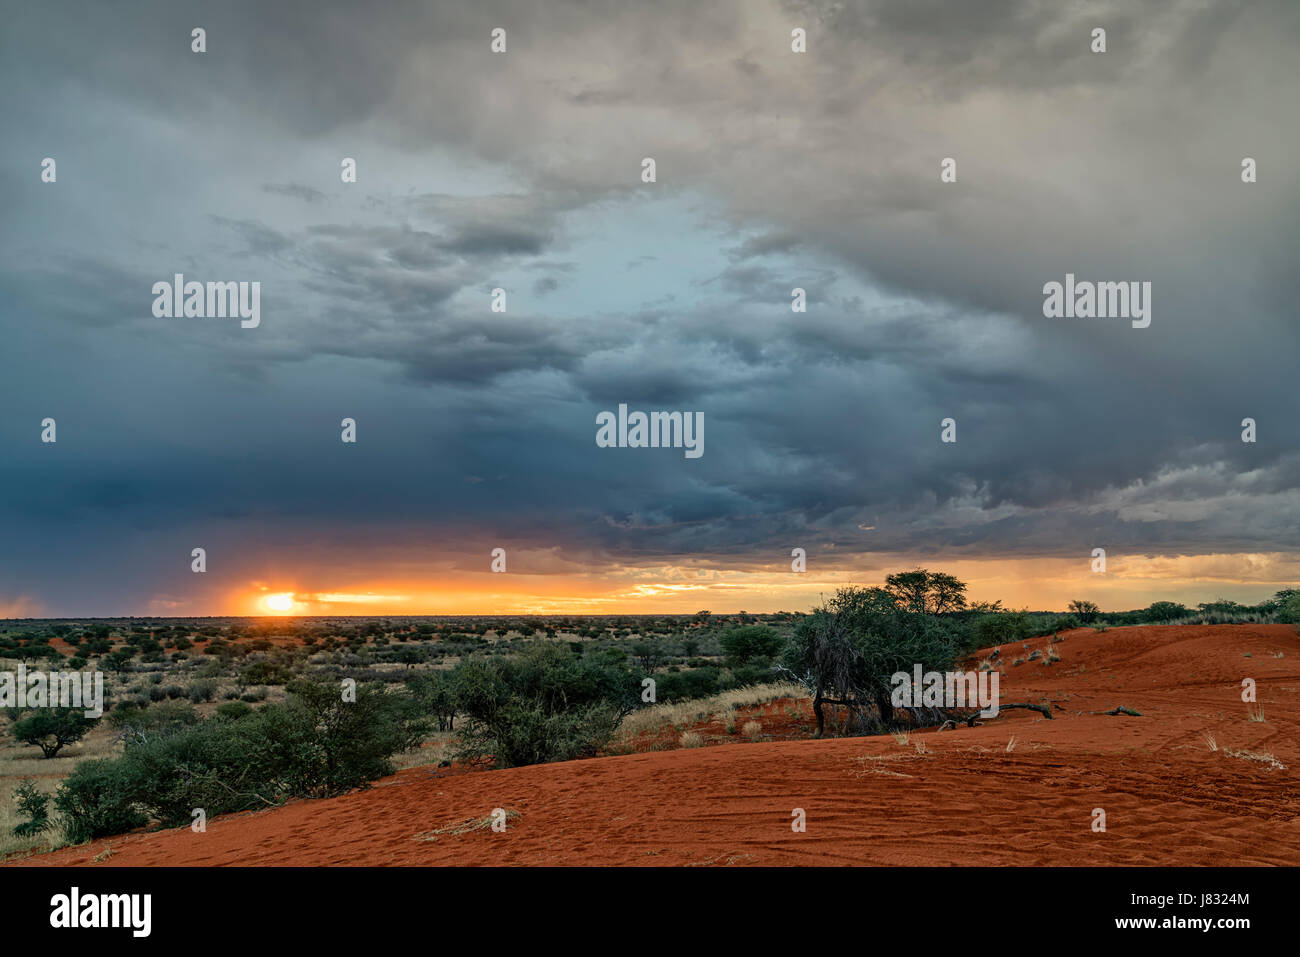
[[1168, 798]]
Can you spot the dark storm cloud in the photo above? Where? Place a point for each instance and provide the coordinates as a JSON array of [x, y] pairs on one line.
[[817, 170]]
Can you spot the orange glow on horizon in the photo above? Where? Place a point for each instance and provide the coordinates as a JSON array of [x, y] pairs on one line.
[[1045, 584]]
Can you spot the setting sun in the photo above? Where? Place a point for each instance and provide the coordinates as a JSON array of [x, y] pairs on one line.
[[281, 602]]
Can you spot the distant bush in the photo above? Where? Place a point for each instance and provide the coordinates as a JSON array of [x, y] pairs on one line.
[[436, 693], [750, 642], [1289, 611], [1164, 611], [201, 690], [1000, 628], [750, 675], [266, 673], [701, 682], [138, 723]]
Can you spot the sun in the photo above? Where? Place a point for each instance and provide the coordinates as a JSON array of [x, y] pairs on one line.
[[281, 602]]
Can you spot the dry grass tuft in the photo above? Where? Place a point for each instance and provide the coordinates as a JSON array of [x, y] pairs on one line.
[[467, 826], [1262, 757], [684, 713]]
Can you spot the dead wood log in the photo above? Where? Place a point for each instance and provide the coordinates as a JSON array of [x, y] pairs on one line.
[[1040, 708]]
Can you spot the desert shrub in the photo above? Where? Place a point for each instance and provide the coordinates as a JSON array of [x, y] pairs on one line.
[[522, 733], [314, 745], [34, 805], [1164, 611], [95, 800], [749, 642], [648, 654], [138, 724], [201, 690], [265, 673], [350, 742], [701, 682], [544, 705], [436, 693], [1288, 612], [232, 709], [754, 674], [1002, 627]]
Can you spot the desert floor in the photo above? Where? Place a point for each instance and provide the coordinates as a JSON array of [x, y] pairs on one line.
[[1194, 781]]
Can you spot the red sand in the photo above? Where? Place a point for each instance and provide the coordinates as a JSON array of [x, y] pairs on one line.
[[1168, 798]]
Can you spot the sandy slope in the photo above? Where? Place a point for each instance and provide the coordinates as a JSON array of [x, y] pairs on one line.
[[1168, 798]]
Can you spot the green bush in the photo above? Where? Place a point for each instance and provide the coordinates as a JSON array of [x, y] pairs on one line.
[[545, 705], [1289, 612], [315, 744], [266, 673], [232, 709], [700, 682], [159, 720], [33, 804], [201, 690], [52, 729], [750, 642], [95, 800], [1001, 628], [847, 651]]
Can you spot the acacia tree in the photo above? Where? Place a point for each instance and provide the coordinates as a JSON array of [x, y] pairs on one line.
[[927, 593], [53, 729], [1085, 611], [846, 652]]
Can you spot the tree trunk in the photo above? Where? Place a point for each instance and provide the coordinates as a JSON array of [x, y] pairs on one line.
[[885, 707]]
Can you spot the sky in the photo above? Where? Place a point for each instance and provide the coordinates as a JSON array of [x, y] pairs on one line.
[[523, 171]]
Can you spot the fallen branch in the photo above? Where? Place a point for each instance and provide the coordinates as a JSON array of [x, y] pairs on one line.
[[1040, 708], [1123, 710]]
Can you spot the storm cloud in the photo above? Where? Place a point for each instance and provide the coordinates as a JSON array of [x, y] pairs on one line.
[[522, 171]]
